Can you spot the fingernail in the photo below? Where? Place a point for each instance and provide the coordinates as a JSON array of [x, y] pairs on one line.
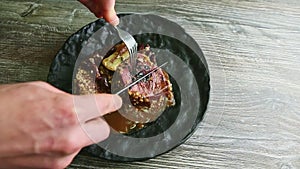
[[117, 101]]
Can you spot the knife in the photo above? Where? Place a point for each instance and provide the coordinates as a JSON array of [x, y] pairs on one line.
[[143, 77]]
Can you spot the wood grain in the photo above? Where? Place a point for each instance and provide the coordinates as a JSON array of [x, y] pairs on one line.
[[253, 52]]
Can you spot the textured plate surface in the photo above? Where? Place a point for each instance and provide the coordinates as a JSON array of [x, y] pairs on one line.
[[191, 97]]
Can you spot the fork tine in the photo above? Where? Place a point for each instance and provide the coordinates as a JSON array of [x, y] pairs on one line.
[[131, 46]]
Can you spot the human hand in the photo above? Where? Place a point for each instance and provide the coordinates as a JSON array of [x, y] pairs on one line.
[[39, 127], [103, 8]]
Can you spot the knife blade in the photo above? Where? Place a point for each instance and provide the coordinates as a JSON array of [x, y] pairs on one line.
[[143, 77]]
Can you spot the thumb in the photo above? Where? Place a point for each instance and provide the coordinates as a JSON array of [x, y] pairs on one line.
[[88, 107], [107, 103]]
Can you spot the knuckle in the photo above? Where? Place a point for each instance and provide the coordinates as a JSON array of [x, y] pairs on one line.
[[67, 118], [60, 144], [69, 146], [48, 145], [65, 114], [63, 100]]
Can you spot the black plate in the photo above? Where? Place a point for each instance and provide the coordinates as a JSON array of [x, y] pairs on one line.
[[190, 80]]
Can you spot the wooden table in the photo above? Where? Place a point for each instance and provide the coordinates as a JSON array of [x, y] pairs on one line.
[[253, 53]]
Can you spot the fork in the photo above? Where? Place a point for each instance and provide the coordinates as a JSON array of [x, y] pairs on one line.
[[131, 46]]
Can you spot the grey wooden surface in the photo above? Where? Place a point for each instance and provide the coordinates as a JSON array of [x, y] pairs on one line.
[[253, 53]]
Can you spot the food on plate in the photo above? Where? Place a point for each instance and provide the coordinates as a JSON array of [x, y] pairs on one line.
[[144, 101]]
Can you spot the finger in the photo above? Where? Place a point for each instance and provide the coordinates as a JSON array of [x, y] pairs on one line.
[[95, 131], [85, 134], [111, 17], [37, 161], [69, 140], [103, 8], [88, 107], [109, 13]]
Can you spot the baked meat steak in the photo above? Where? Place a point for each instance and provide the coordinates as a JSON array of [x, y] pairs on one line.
[[149, 97], [143, 102]]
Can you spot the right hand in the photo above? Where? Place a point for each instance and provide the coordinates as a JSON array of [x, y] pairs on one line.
[[103, 8], [39, 127]]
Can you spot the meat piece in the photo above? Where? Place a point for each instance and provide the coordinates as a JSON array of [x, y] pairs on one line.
[[143, 102], [151, 96]]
